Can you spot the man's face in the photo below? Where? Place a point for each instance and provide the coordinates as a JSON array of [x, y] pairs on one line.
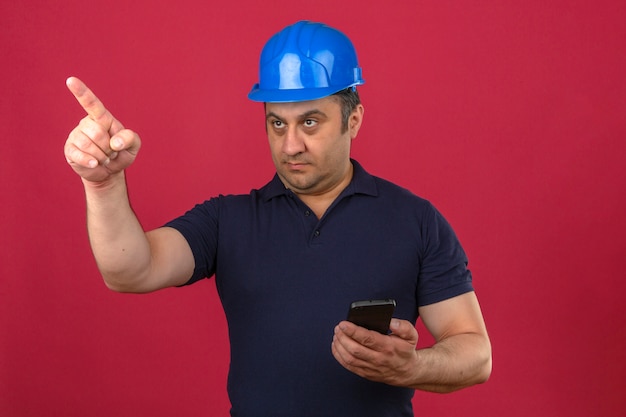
[[309, 149]]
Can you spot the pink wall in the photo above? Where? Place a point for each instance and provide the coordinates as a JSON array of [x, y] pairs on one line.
[[509, 116]]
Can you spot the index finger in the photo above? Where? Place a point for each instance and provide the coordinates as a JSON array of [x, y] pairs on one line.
[[90, 103]]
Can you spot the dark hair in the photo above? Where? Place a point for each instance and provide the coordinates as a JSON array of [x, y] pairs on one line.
[[349, 98]]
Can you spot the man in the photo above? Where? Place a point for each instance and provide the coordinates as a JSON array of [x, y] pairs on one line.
[[290, 257]]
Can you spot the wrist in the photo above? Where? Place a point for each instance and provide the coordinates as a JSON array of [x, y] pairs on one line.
[[111, 182]]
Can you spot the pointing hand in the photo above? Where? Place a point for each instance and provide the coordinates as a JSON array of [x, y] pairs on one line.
[[99, 147]]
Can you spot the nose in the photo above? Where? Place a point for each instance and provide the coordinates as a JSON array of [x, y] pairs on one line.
[[293, 142]]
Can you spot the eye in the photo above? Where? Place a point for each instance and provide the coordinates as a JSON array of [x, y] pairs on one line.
[[277, 125], [310, 123]]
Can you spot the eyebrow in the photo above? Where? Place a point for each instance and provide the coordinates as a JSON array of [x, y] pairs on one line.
[[305, 115]]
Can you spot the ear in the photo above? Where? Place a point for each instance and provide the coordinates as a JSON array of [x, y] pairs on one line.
[[355, 121]]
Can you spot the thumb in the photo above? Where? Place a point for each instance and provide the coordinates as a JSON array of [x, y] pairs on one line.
[[125, 140], [404, 330]]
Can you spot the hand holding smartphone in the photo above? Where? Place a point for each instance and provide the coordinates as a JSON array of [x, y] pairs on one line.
[[372, 314]]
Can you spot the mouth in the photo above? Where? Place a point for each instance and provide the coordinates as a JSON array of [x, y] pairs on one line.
[[295, 165]]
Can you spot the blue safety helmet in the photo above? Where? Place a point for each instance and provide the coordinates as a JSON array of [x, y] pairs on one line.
[[306, 61]]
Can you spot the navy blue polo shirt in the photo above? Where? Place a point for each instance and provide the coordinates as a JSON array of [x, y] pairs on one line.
[[286, 278]]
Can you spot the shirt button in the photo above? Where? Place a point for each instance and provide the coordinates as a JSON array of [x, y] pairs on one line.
[[307, 213], [317, 233]]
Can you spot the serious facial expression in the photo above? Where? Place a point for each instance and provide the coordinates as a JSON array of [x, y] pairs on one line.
[[309, 149]]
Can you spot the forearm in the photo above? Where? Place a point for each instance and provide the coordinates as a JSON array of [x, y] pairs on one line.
[[117, 239], [454, 363]]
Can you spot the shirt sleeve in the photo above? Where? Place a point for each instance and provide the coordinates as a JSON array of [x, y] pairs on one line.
[[443, 273], [199, 226]]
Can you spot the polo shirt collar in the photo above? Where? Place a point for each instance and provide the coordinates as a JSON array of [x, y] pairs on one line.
[[362, 183]]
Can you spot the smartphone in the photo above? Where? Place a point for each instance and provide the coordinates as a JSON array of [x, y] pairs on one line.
[[372, 314]]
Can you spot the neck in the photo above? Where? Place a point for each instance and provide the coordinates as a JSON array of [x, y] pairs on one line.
[[320, 202]]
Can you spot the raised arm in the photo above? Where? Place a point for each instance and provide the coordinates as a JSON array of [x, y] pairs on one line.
[[99, 149]]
